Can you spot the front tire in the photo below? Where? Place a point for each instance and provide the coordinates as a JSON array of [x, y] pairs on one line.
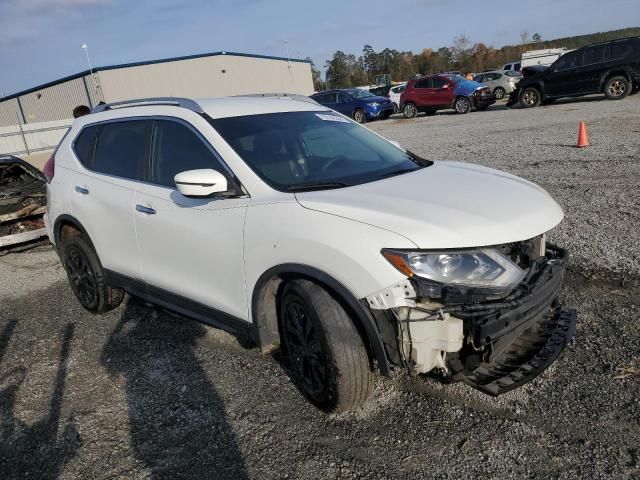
[[395, 107], [530, 97], [86, 275], [617, 88], [326, 353], [359, 116], [499, 92], [462, 105]]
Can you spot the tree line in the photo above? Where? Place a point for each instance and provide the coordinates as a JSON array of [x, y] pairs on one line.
[[347, 70]]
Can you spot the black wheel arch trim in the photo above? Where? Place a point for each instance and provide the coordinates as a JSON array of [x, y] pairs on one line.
[[266, 330], [64, 219]]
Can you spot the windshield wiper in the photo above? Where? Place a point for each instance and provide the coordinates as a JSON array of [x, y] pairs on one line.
[[398, 172], [309, 186], [423, 162]]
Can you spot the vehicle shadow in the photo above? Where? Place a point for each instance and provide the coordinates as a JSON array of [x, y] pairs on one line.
[[177, 421], [35, 450]]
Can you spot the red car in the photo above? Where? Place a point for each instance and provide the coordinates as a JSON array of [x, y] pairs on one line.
[[439, 92]]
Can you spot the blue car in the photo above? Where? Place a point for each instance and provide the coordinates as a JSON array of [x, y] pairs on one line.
[[358, 104]]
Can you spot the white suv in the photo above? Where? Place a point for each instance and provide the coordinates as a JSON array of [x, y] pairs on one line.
[[290, 225]]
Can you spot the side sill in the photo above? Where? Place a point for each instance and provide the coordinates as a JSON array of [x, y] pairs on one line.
[[184, 306]]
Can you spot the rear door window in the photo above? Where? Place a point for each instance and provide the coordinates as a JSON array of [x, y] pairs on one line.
[[593, 55], [176, 148], [438, 82], [122, 149], [424, 83], [84, 145], [329, 98]]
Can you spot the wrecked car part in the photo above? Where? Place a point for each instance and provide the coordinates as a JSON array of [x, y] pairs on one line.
[[492, 343], [22, 204]]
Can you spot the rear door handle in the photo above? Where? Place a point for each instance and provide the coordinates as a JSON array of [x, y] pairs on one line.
[[82, 190], [145, 209]]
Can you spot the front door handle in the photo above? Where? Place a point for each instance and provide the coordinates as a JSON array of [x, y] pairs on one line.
[[145, 209], [82, 190]]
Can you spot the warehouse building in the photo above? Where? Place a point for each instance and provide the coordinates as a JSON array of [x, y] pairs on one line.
[[196, 76]]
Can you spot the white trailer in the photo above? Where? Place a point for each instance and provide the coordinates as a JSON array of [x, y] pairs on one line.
[[541, 57]]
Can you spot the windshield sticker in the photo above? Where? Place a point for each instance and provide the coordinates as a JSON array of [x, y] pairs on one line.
[[331, 118]]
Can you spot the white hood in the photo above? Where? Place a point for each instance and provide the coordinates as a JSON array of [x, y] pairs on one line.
[[446, 205]]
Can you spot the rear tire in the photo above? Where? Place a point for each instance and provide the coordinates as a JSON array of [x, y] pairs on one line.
[[462, 105], [86, 275], [359, 116], [530, 97], [410, 110], [395, 107], [326, 353], [499, 92], [617, 88]]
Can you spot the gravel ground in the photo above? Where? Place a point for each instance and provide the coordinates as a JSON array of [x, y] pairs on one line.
[[142, 393]]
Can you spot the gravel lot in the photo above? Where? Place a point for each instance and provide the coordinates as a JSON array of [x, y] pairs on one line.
[[142, 393]]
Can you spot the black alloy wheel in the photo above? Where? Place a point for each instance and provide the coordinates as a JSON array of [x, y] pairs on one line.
[[82, 277]]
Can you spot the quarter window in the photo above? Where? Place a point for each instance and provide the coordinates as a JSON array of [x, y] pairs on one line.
[[176, 148], [84, 145], [122, 149], [619, 50]]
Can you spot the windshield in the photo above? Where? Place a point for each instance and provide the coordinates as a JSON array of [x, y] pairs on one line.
[[313, 150], [358, 93]]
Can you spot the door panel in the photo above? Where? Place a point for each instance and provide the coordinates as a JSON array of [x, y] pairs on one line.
[[563, 79], [441, 92], [103, 205], [102, 200], [193, 247]]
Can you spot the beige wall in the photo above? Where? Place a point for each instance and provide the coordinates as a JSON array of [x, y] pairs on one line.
[[8, 111], [195, 78], [203, 77], [55, 102]]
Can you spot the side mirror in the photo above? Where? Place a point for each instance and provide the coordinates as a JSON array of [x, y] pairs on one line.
[[200, 183], [445, 86]]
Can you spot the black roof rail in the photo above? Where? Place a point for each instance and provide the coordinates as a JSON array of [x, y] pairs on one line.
[[142, 102]]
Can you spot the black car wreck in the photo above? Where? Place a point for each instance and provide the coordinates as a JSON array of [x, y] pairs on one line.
[[611, 68], [23, 201]]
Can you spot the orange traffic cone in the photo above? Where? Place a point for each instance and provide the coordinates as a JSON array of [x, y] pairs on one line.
[[583, 139]]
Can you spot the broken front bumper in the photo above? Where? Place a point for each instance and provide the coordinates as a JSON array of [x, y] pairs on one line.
[[493, 345]]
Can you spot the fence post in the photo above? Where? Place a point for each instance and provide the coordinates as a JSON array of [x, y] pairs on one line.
[[24, 139]]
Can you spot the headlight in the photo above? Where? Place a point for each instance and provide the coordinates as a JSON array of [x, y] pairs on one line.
[[484, 268], [373, 105]]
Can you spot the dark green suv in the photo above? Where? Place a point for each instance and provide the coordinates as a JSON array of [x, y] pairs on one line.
[[612, 68]]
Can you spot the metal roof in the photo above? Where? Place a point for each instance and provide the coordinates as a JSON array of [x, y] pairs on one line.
[[148, 62]]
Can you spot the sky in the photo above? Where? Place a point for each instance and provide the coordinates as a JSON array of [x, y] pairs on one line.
[[40, 40]]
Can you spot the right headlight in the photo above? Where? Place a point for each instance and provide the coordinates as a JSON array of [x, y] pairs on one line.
[[483, 268]]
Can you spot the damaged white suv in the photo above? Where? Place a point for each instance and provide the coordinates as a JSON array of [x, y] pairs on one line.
[[292, 226]]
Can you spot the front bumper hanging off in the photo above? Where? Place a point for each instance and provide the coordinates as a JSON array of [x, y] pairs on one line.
[[494, 346]]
